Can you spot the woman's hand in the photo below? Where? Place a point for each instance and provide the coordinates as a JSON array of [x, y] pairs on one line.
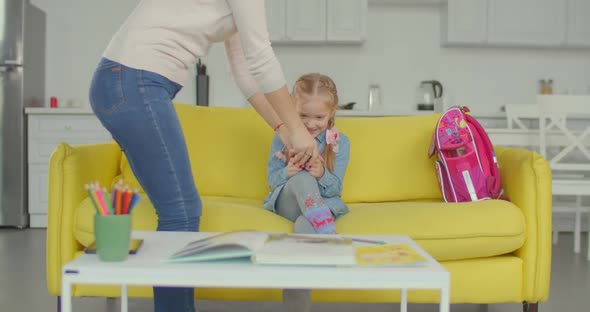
[[315, 167], [303, 146], [284, 135]]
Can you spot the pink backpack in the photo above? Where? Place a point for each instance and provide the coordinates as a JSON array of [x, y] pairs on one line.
[[467, 169]]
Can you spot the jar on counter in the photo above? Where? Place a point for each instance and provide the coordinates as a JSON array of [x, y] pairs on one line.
[[374, 98], [542, 84], [549, 86], [546, 86]]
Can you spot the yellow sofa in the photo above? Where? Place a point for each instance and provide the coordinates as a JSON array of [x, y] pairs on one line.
[[496, 251]]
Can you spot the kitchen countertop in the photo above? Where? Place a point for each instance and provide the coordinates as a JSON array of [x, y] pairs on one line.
[[339, 113], [58, 111], [385, 113]]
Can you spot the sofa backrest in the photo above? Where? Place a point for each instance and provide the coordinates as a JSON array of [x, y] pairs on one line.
[[229, 148], [389, 159]]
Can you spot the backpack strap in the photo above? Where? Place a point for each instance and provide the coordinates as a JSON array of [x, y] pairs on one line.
[[494, 187], [433, 149]]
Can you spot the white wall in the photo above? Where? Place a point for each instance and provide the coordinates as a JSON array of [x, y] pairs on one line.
[[403, 48]]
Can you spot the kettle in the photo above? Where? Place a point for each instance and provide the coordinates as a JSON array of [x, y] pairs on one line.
[[430, 92]]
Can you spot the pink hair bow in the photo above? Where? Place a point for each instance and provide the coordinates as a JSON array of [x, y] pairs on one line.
[[332, 137]]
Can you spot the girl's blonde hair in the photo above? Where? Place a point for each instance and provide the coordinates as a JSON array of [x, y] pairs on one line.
[[318, 85]]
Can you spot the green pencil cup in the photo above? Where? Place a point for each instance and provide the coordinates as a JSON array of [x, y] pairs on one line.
[[112, 234]]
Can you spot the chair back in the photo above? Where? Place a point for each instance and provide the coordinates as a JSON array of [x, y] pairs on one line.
[[515, 113], [521, 120], [564, 120]]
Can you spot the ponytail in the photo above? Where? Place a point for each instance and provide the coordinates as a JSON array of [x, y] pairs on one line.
[[329, 154]]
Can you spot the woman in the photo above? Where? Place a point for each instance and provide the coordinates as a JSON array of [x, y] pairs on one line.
[[145, 65]]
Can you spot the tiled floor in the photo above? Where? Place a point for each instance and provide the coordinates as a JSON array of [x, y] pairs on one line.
[[22, 284]]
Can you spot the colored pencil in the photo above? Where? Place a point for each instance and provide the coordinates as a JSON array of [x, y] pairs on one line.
[[134, 200], [119, 200], [126, 200], [368, 241], [94, 203], [108, 201], [101, 200]]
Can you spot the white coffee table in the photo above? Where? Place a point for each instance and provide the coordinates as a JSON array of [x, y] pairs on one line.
[[145, 268]]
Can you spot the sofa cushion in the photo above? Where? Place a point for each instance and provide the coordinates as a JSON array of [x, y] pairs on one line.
[[447, 231], [389, 159], [220, 214]]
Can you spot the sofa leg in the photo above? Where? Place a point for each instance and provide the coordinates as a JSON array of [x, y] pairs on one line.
[[530, 307], [58, 303]]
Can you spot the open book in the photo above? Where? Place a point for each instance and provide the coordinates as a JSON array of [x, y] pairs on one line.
[[265, 248]]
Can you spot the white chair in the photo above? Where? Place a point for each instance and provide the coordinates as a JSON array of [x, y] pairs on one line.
[[519, 131], [516, 116], [555, 118], [516, 113]]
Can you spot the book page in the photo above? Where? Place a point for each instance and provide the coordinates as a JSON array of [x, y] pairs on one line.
[[293, 249], [222, 246]]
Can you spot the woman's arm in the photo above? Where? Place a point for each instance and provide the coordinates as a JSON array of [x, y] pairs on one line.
[[242, 78], [263, 66], [254, 42]]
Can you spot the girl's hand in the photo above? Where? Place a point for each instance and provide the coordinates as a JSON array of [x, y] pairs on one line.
[[303, 146], [293, 167], [281, 156], [315, 167]]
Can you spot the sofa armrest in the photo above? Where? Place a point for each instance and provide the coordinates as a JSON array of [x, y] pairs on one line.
[[526, 178], [70, 167]]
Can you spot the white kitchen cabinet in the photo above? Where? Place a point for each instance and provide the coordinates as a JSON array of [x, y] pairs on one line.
[[346, 20], [316, 21], [46, 129], [527, 22], [37, 194], [464, 22], [306, 20], [578, 30], [276, 15], [506, 23]]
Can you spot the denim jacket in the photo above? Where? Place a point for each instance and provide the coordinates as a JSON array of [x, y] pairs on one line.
[[330, 184]]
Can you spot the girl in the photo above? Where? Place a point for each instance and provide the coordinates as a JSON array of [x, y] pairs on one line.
[[309, 194]]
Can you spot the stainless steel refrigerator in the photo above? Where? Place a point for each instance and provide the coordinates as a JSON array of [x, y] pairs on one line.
[[22, 84]]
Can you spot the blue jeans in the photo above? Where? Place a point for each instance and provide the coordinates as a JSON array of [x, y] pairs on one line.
[[135, 106]]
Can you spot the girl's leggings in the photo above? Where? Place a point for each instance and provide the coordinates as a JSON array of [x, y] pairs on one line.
[[300, 201]]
